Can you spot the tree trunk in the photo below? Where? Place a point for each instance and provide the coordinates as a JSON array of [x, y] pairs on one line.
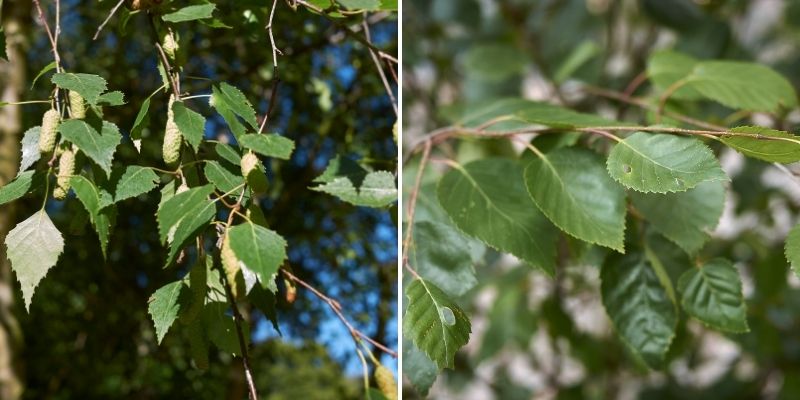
[[16, 19]]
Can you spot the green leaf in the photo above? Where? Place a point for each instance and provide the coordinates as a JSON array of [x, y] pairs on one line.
[[259, 249], [786, 149], [712, 293], [742, 85], [792, 249], [175, 208], [183, 216], [88, 86], [228, 153], [377, 189], [30, 148], [685, 218], [190, 123], [662, 163], [515, 113], [360, 4], [99, 213], [140, 123], [375, 394], [266, 302], [440, 255], [190, 13], [573, 189], [435, 324], [221, 329], [665, 68], [389, 5], [33, 247], [87, 193], [272, 145], [418, 368], [47, 68], [223, 178], [17, 188], [486, 199], [115, 98], [134, 181], [99, 147], [164, 306], [220, 103], [579, 56], [639, 306], [235, 100], [495, 62]]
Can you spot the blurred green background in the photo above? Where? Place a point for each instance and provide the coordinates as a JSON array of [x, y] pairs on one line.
[[539, 338]]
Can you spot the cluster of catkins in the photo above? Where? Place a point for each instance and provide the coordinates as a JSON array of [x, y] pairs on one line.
[[66, 152]]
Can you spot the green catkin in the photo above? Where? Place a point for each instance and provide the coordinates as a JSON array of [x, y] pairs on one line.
[[249, 163], [386, 383], [66, 168], [253, 172], [173, 140], [230, 264], [48, 131], [170, 46], [77, 106]]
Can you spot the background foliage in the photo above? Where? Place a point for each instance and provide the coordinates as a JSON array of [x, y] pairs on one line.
[[533, 335], [88, 334]]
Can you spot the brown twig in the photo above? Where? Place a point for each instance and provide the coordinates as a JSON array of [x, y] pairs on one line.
[[610, 94], [337, 308], [347, 30], [412, 205], [378, 65], [108, 18], [275, 72], [49, 33], [168, 70], [53, 42], [237, 316], [238, 319]]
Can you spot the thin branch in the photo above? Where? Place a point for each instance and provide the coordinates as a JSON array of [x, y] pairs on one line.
[[164, 61], [347, 30], [412, 205], [238, 319], [237, 316], [380, 68], [275, 72], [47, 29], [108, 18], [662, 101], [337, 308], [603, 133], [610, 94], [53, 43]]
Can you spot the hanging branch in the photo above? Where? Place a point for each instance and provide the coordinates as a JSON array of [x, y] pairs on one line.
[[347, 30], [53, 43], [380, 69], [108, 18], [275, 73], [164, 60], [337, 308]]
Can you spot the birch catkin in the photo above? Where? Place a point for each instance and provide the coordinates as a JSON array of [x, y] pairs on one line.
[[48, 132], [171, 150], [77, 106], [66, 168]]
